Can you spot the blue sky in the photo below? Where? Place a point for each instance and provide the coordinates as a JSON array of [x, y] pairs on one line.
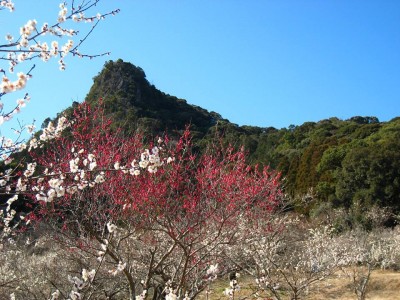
[[256, 62]]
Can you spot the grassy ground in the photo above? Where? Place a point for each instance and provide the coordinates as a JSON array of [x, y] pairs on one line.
[[383, 285]]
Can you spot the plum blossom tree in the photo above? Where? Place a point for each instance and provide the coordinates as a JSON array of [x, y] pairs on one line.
[[366, 251], [156, 218], [285, 256]]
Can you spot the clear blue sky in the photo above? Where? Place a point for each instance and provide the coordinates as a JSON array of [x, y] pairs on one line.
[[256, 62]]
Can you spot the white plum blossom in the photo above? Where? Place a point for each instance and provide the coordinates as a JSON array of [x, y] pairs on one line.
[[120, 267], [8, 160], [92, 165], [62, 13], [30, 169], [212, 270], [100, 178], [55, 295], [152, 169], [11, 200], [7, 4], [8, 86], [72, 189], [142, 296], [154, 159], [155, 151], [111, 227], [21, 185], [143, 164], [30, 42], [170, 292], [88, 275], [73, 165], [30, 128]]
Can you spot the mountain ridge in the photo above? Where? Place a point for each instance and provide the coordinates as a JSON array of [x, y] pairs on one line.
[[329, 163]]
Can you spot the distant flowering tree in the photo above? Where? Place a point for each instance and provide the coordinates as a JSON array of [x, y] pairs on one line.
[[366, 251], [285, 256]]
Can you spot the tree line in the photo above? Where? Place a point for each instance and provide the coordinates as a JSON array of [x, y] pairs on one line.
[[351, 163]]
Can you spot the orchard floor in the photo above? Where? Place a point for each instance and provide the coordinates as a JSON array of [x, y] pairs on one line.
[[383, 285]]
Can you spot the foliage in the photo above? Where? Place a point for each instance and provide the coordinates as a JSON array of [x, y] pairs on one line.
[[342, 162]]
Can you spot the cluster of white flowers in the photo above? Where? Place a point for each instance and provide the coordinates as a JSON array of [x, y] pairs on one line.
[[111, 227], [149, 159], [79, 284], [7, 4], [10, 213], [264, 284], [29, 32], [56, 188], [7, 145], [88, 275], [170, 292], [79, 171], [45, 52], [212, 272], [120, 267], [62, 15], [30, 169], [232, 289], [51, 131], [142, 296], [25, 45], [55, 295], [103, 251], [25, 32], [6, 159], [8, 86], [7, 117]]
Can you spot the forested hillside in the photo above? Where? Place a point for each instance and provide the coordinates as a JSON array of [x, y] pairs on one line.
[[352, 163]]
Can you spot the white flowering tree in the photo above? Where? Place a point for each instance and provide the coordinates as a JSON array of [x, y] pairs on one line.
[[286, 256], [40, 42], [366, 251]]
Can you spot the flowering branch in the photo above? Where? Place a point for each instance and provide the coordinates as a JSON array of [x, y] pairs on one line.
[[25, 46]]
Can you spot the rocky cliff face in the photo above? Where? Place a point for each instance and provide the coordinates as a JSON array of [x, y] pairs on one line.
[[130, 98]]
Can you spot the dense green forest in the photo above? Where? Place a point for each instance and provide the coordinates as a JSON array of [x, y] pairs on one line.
[[353, 163]]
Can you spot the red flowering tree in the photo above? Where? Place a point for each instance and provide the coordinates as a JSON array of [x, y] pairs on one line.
[[153, 219]]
